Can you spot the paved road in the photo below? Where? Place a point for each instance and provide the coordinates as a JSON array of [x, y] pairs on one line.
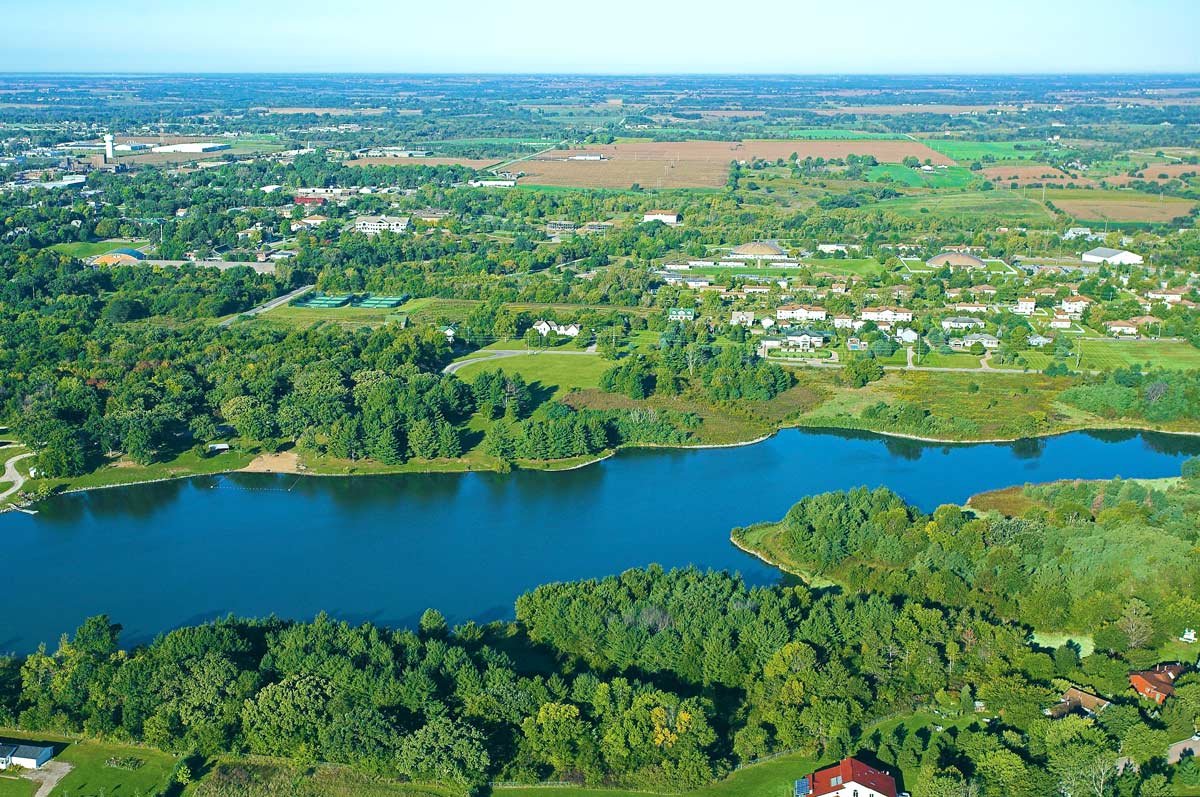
[[271, 305], [499, 354], [11, 474], [1178, 750]]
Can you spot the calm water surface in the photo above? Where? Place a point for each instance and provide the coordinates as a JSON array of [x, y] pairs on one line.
[[383, 549]]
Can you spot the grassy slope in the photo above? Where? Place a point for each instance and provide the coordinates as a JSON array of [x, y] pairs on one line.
[[87, 249], [90, 775], [558, 373]]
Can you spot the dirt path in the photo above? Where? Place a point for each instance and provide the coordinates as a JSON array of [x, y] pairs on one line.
[[48, 776], [285, 462], [11, 474]]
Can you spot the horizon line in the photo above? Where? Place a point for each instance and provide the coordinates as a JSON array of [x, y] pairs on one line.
[[588, 73]]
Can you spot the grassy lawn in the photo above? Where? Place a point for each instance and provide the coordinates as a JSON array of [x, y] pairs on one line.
[[1000, 205], [1094, 205], [92, 776], [1110, 354], [557, 373], [349, 317], [16, 787], [82, 249], [956, 360], [126, 472], [951, 177], [856, 266]]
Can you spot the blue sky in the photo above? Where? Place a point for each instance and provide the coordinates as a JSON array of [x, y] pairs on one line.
[[606, 36]]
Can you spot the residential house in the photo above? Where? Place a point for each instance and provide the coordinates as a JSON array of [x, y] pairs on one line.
[[970, 307], [1168, 295], [681, 314], [560, 227], [1075, 305], [886, 314], [1113, 257], [982, 338], [669, 217], [1038, 341], [373, 225], [846, 322], [1026, 305], [804, 339], [742, 318], [1061, 321], [800, 312], [847, 778], [544, 328], [26, 756], [1120, 329], [1077, 701], [856, 344], [1157, 683], [961, 322]]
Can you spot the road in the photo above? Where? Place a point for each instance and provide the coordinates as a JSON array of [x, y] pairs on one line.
[[271, 305], [499, 354], [11, 474]]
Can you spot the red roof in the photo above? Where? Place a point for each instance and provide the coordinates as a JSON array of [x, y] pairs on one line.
[[831, 779], [1157, 684]]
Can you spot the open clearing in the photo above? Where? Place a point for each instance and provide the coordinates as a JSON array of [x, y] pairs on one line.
[[967, 151], [1106, 354], [1000, 206], [894, 110], [950, 177], [1157, 173], [1085, 205], [559, 373], [1029, 174], [83, 249], [699, 164], [323, 111]]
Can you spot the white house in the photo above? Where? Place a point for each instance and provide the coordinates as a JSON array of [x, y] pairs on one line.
[[886, 314], [26, 756], [1060, 321], [742, 318], [665, 216], [1168, 295], [846, 322], [1114, 257], [373, 225], [970, 307], [800, 312], [492, 183], [545, 327], [961, 322], [1121, 328], [847, 778], [1038, 341], [988, 341], [1074, 305], [1026, 305]]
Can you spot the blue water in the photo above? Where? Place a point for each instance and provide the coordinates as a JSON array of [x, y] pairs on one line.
[[383, 549]]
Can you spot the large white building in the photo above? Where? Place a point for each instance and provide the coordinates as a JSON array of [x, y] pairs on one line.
[[888, 315], [665, 216], [1114, 257], [373, 225], [192, 147], [800, 312], [544, 328]]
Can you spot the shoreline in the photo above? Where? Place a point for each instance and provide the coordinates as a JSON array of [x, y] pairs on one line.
[[816, 428]]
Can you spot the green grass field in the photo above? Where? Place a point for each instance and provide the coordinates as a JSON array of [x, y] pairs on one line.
[[559, 373], [82, 249], [999, 206], [92, 776], [836, 134], [967, 151], [1110, 354], [16, 787], [936, 359], [952, 177], [856, 266]]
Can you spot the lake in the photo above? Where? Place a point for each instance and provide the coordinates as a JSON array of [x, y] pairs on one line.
[[384, 548]]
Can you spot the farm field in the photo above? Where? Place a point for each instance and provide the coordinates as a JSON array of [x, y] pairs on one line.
[[950, 177], [82, 249], [1025, 174], [1155, 173], [1000, 206], [331, 111], [1106, 354], [892, 110], [558, 373], [700, 164], [1118, 206], [967, 151]]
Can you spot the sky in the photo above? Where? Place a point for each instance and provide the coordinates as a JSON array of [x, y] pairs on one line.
[[602, 36]]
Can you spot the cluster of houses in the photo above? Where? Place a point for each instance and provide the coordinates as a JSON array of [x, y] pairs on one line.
[[544, 328]]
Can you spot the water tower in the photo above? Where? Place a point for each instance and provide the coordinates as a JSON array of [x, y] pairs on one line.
[[109, 155]]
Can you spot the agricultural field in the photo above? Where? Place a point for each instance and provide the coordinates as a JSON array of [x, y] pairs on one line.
[[894, 110], [968, 151], [555, 373], [950, 177], [1029, 173], [85, 249], [699, 164], [999, 206], [1118, 206], [1159, 172], [1111, 354]]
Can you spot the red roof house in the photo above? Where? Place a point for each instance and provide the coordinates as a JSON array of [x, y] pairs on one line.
[[850, 778], [1158, 683]]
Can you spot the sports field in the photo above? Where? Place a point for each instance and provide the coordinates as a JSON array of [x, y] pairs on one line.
[[82, 249], [1118, 206], [1111, 354]]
